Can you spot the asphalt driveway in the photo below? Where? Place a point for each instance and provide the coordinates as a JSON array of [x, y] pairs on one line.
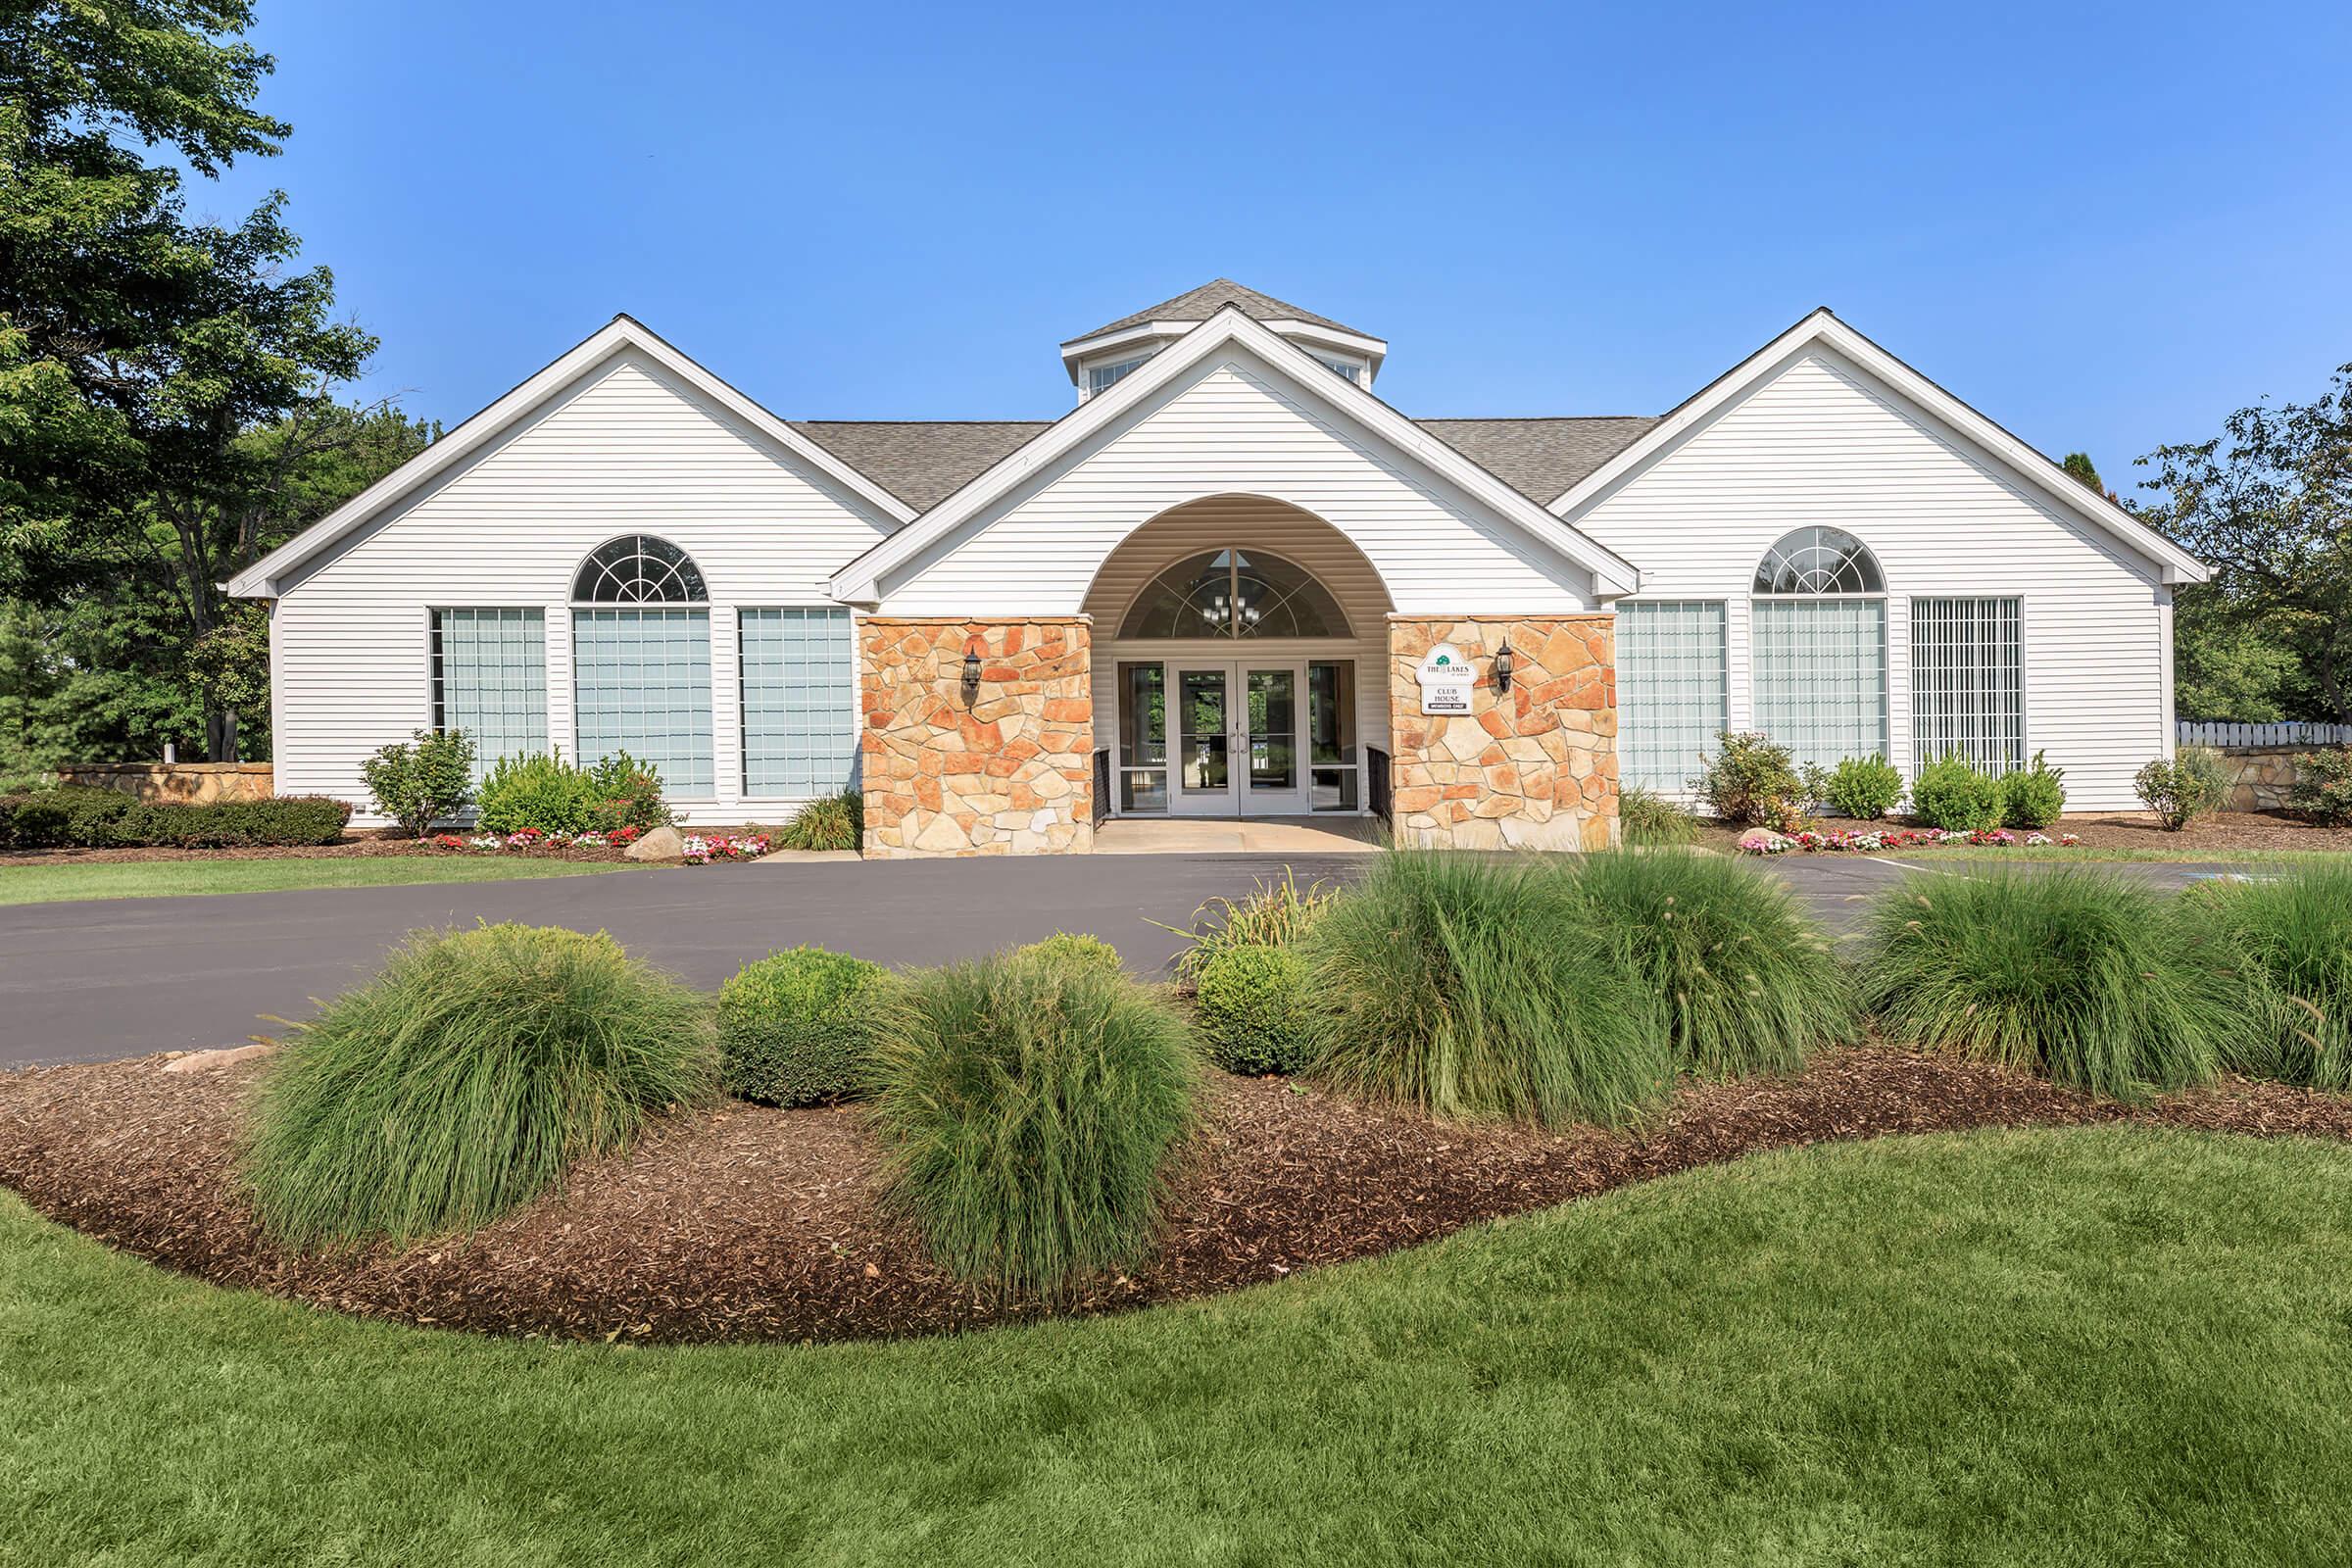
[[121, 977]]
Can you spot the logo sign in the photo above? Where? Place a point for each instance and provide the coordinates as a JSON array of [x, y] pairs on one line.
[[1445, 677]]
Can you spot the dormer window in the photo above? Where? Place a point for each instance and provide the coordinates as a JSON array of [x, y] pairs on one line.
[[1353, 370], [1100, 377]]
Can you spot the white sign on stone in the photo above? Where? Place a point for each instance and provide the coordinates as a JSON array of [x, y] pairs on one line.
[[1445, 677]]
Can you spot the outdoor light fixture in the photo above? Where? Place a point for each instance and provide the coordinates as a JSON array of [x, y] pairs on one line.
[[1502, 666], [971, 676]]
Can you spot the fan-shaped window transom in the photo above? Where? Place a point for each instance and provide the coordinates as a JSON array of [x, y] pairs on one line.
[[1819, 561], [638, 569], [1235, 592]]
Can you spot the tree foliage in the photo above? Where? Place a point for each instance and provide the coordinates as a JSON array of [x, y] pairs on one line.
[[2268, 505], [168, 385]]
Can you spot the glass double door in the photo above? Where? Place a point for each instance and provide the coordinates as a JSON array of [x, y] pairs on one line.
[[1238, 735]]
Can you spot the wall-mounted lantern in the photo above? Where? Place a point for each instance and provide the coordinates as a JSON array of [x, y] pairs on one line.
[[1502, 666], [971, 676]]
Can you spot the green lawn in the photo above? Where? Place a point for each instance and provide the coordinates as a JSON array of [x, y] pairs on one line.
[[2103, 1346], [172, 879]]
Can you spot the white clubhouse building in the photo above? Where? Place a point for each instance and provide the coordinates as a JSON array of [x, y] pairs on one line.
[[1211, 587]]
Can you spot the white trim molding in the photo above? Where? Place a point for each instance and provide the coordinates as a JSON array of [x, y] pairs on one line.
[[1823, 329]]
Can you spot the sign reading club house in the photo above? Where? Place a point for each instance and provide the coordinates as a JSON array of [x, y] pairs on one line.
[[1446, 678]]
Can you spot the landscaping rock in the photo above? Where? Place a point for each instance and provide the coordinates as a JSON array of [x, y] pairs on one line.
[[661, 844], [205, 1060]]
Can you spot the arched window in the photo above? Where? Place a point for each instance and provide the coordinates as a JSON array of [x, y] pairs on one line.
[[638, 569], [1818, 638], [1235, 592], [1819, 561]]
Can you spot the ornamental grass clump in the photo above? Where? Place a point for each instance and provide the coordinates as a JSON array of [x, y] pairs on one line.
[[1478, 986], [2082, 976], [461, 1081], [1029, 1109], [831, 822], [2295, 932], [1745, 980], [1273, 914]]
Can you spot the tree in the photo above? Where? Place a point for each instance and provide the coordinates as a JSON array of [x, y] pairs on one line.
[[160, 379], [2268, 505], [2079, 468]]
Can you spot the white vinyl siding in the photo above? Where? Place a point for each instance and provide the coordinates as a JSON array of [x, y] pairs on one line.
[[1234, 426], [641, 684], [1968, 681], [800, 702], [1822, 443], [626, 450], [490, 680], [1821, 677], [1671, 690]]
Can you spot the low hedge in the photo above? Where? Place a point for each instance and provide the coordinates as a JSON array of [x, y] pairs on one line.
[[83, 818], [794, 1030]]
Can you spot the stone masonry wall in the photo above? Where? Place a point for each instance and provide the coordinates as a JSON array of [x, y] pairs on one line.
[[2261, 777], [175, 783], [1009, 774], [1535, 767]]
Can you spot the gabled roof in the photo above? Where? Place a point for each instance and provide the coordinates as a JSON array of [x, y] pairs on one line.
[[859, 580], [1200, 303], [1824, 330], [923, 462], [619, 335]]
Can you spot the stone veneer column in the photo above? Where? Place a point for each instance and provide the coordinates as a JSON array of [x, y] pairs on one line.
[[1011, 774], [1534, 768]]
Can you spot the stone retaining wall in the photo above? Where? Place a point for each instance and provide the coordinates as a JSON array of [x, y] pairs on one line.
[[1010, 771], [2261, 776], [178, 783], [1535, 767]]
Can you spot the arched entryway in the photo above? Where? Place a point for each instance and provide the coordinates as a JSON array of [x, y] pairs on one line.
[[1239, 664]]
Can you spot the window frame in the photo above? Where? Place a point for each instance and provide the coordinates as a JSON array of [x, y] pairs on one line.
[[700, 579], [435, 676], [1345, 631], [703, 607], [1883, 595], [1100, 378], [2025, 667], [743, 723], [1723, 655]]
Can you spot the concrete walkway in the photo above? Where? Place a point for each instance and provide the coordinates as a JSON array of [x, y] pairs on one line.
[[121, 977], [1246, 835]]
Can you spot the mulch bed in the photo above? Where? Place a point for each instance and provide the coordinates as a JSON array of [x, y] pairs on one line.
[[2218, 837], [747, 1223]]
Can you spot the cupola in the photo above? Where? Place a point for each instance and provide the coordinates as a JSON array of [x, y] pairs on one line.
[[1098, 359]]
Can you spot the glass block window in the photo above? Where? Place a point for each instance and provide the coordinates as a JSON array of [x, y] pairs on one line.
[[1820, 676], [641, 684], [800, 702], [1670, 689], [1968, 686], [490, 680]]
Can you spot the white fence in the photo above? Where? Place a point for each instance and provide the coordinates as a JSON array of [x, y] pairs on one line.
[[2297, 733]]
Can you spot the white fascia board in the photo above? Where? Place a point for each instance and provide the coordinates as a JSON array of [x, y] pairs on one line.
[[1371, 348], [622, 334], [1824, 329], [859, 581]]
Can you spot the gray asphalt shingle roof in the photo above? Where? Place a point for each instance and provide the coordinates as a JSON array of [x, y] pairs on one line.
[[925, 462], [1200, 303]]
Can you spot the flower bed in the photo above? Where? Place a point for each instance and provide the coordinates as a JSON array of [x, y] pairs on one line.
[[703, 848], [1870, 841], [526, 840]]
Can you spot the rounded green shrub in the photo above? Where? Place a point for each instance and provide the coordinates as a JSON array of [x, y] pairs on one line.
[[624, 791], [2080, 975], [1750, 778], [2034, 796], [540, 791], [1951, 793], [835, 822], [1745, 980], [460, 1081], [1251, 1008], [1273, 914], [2323, 787], [794, 1026], [2295, 932], [1029, 1111], [1065, 947], [1476, 986], [1864, 786]]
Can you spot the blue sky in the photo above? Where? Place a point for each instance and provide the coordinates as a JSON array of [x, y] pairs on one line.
[[2105, 226]]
